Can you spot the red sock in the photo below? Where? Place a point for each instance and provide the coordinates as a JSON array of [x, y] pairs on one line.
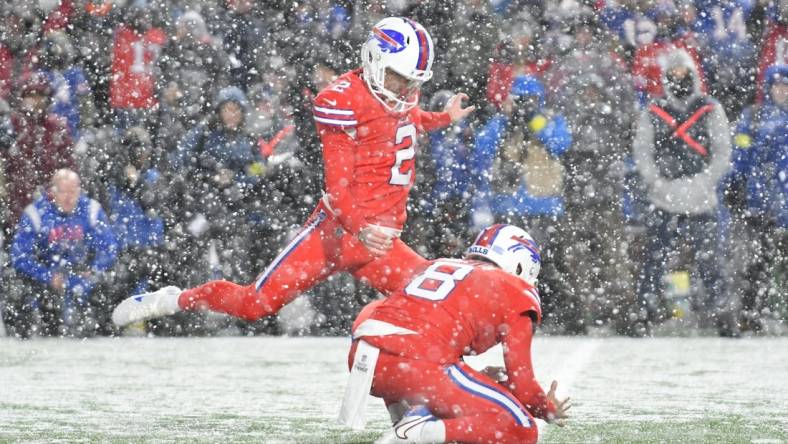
[[241, 301]]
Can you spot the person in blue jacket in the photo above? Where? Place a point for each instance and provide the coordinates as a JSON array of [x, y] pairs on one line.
[[218, 168], [441, 200], [62, 252], [520, 181], [136, 198], [760, 168]]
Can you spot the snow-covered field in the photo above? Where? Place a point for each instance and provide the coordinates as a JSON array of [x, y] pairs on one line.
[[264, 389]]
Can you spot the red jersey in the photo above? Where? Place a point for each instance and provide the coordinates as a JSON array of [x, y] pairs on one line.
[[458, 307], [647, 72], [774, 51], [369, 152], [133, 59]]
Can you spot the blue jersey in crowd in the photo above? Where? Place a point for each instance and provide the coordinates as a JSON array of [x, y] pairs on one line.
[[132, 226], [761, 152], [552, 133], [67, 87], [49, 241]]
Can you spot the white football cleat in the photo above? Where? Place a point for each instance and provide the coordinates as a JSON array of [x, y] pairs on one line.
[[162, 302], [417, 426]]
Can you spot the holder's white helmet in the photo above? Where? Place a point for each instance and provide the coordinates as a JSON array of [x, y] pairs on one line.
[[403, 46], [509, 247]]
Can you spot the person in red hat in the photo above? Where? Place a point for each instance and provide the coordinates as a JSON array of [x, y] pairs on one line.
[[37, 146]]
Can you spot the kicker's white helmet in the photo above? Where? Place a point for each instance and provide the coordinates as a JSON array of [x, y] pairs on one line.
[[403, 46], [509, 247]]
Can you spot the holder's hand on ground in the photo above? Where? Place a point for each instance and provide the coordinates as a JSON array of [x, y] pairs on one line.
[[377, 242], [561, 407], [455, 109]]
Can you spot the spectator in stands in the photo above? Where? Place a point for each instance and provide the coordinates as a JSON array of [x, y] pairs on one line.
[[135, 197], [20, 30], [516, 54], [443, 197], [774, 45], [71, 91], [519, 154], [286, 179], [135, 53], [242, 30], [310, 79], [648, 30], [38, 145], [592, 88], [61, 253], [94, 42], [218, 164], [193, 67], [682, 149], [729, 52], [268, 124], [761, 167]]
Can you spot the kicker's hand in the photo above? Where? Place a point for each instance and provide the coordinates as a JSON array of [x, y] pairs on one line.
[[377, 242], [455, 109], [561, 407]]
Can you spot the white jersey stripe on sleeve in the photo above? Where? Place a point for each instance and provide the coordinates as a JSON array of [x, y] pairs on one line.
[[335, 122], [343, 112]]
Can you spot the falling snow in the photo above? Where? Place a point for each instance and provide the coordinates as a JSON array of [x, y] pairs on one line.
[[146, 143]]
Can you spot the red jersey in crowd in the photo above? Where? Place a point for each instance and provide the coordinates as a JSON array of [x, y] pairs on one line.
[[647, 72], [134, 56], [369, 153]]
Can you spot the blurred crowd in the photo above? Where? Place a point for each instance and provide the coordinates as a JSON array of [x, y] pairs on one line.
[[644, 145]]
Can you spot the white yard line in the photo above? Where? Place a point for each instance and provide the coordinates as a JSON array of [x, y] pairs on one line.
[[567, 373]]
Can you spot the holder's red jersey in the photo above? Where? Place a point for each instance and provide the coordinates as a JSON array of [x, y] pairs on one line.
[[458, 307], [369, 152], [461, 307]]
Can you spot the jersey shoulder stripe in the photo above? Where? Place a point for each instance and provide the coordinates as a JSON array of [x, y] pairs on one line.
[[336, 104], [334, 116], [333, 120]]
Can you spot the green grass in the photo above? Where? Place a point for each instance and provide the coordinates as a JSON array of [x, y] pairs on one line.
[[287, 390]]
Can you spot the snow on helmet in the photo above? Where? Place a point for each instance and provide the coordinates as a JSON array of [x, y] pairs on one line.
[[509, 247], [403, 46]]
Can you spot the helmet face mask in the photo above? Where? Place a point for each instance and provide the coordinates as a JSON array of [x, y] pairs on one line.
[[404, 47], [509, 247]]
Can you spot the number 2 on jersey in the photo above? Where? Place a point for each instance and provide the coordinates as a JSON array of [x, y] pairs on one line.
[[407, 135], [436, 282]]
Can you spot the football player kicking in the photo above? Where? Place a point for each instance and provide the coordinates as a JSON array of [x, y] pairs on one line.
[[452, 308], [368, 121]]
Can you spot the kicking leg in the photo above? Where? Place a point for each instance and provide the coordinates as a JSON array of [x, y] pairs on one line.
[[307, 259]]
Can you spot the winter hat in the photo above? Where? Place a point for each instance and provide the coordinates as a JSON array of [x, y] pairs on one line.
[[231, 93], [674, 58], [192, 22], [57, 49]]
